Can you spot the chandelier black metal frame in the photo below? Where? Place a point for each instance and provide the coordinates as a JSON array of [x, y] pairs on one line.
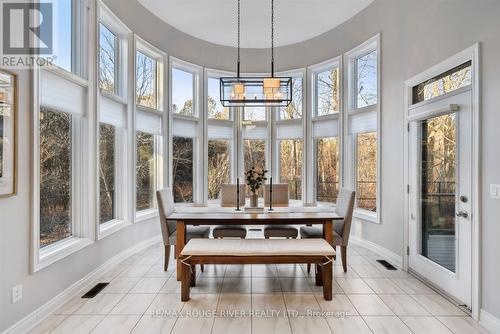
[[258, 91]]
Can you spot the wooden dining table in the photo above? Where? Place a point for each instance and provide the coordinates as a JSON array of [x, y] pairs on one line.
[[212, 215]]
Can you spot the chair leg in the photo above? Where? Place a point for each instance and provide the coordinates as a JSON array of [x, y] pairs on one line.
[[175, 252], [202, 268], [167, 257], [308, 268], [344, 257]]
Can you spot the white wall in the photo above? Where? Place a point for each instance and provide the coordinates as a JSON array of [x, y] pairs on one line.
[[415, 36]]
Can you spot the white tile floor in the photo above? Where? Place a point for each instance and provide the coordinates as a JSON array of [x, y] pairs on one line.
[[142, 298]]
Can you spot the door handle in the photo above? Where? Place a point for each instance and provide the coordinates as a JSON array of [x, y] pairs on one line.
[[462, 213]]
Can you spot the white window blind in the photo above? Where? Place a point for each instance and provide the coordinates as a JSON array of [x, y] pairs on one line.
[[60, 94], [219, 130], [255, 131], [148, 122], [326, 128], [289, 130], [363, 122], [184, 128], [112, 112]]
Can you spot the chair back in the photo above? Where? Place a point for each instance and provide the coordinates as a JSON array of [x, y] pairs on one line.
[[344, 208], [228, 195], [280, 194], [166, 207]]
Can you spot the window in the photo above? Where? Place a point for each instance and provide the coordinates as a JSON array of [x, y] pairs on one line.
[[294, 109], [328, 92], [366, 80], [146, 81], [56, 166], [327, 169], [182, 167], [182, 92], [107, 60], [64, 32], [254, 155], [458, 77], [291, 166], [146, 171], [366, 171], [218, 166], [107, 173], [215, 109], [254, 114]]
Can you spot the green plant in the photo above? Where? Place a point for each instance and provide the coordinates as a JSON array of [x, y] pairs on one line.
[[255, 179]]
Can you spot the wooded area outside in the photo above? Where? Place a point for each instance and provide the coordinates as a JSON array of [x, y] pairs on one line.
[[146, 173], [327, 169], [182, 169], [366, 171], [291, 166], [438, 182], [146, 81], [55, 176], [218, 166], [107, 173], [107, 59], [254, 156]]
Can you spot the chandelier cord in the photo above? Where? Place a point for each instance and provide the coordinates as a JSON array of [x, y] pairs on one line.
[[238, 38], [272, 38]]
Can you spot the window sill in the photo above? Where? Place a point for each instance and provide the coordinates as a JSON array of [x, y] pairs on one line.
[[147, 214], [148, 109], [59, 250], [367, 216], [111, 227]]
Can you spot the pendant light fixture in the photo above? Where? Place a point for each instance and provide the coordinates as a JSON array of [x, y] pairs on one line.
[[256, 91]]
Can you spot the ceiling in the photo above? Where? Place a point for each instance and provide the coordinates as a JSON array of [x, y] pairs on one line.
[[215, 21]]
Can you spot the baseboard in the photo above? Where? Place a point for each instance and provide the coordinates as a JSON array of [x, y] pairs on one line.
[[490, 322], [37, 316], [395, 259]]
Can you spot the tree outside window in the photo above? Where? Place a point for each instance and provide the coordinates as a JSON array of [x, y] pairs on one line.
[[294, 109], [182, 168], [366, 80], [146, 81], [218, 166], [328, 92], [327, 169], [107, 59], [146, 177], [366, 171], [107, 172]]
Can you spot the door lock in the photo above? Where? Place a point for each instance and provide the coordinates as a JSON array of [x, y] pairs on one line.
[[463, 214], [464, 199]]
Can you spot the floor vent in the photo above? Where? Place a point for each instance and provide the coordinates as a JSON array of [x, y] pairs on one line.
[[95, 290], [255, 229], [387, 265]]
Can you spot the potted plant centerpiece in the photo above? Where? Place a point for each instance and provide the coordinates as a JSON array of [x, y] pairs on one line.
[[255, 179]]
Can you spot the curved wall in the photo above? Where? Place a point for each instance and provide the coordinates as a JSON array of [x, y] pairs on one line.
[[415, 35]]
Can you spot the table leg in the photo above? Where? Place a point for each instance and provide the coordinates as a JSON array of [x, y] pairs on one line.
[[328, 231], [180, 243]]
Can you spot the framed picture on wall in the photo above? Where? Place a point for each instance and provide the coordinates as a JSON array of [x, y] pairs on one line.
[[8, 93]]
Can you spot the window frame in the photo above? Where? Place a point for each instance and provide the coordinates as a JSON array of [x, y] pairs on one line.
[[158, 57], [350, 166], [199, 120]]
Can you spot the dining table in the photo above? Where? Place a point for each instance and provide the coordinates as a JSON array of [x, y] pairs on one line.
[[216, 215]]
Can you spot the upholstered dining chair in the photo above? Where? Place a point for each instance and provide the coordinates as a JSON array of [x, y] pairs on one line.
[[166, 206], [341, 229], [280, 199], [228, 199]]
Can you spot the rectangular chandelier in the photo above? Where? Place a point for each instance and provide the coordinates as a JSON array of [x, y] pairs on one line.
[[255, 91]]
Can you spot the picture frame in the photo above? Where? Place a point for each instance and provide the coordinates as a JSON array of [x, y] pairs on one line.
[[8, 133]]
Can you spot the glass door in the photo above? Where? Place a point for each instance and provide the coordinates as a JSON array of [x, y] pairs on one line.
[[440, 209]]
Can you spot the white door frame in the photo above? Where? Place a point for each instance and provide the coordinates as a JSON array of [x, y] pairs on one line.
[[469, 54]]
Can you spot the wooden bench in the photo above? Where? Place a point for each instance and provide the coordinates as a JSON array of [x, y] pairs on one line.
[[257, 251]]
